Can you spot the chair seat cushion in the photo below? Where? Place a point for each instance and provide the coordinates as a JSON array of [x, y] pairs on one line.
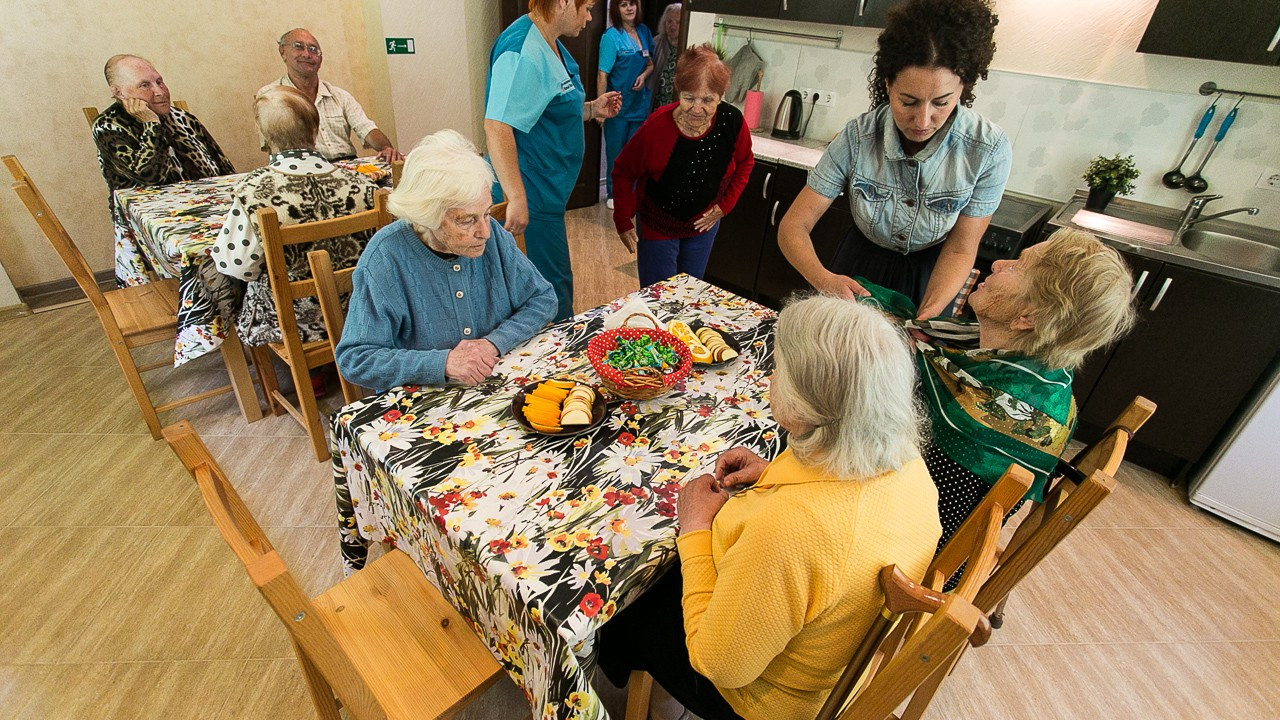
[[415, 652]]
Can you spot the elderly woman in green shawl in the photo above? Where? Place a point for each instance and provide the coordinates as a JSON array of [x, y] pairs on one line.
[[998, 390]]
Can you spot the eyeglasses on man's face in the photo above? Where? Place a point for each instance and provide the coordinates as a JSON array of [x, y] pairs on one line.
[[300, 46]]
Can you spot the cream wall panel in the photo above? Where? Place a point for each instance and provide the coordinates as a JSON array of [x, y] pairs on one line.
[[214, 55]]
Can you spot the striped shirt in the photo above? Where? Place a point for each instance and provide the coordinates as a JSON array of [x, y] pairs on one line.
[[340, 115]]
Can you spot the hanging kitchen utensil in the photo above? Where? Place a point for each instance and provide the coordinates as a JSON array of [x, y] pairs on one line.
[[1195, 184], [1174, 178]]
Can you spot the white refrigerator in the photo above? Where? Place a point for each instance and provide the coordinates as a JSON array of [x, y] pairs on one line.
[[1241, 481]]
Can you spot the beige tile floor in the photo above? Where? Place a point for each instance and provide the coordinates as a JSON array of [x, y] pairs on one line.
[[119, 600]]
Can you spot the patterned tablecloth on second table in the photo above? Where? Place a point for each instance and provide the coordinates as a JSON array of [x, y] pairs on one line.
[[539, 540], [173, 227]]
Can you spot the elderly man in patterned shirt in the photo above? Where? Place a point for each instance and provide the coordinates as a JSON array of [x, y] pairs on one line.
[[144, 141], [340, 114]]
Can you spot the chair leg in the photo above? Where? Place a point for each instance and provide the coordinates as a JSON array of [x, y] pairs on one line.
[[317, 687], [308, 408], [238, 372], [140, 394], [267, 378], [997, 615], [639, 688], [925, 693]]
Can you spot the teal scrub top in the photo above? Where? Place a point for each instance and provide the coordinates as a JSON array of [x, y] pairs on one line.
[[623, 61], [541, 98]]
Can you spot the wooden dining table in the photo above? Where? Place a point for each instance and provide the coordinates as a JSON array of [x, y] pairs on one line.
[[538, 540], [173, 227]]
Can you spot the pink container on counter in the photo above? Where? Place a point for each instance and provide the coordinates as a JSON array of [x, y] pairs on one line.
[[751, 109]]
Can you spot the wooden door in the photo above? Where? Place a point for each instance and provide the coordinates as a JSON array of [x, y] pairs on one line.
[[585, 49]]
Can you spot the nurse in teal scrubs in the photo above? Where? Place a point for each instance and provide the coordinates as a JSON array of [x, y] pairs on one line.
[[534, 110], [626, 60]]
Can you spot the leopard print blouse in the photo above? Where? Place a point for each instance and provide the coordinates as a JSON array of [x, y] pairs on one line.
[[132, 153]]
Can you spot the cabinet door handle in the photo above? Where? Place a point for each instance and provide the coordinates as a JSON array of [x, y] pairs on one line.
[[1142, 280], [784, 5], [773, 220], [862, 5], [1275, 40], [1160, 295], [764, 194]]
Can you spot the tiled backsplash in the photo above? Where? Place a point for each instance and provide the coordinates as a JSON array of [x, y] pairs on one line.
[[1058, 125]]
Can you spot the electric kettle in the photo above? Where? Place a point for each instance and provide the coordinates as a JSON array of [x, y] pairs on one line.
[[786, 122]]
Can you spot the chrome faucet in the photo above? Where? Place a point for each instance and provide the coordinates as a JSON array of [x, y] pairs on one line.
[[1191, 215]]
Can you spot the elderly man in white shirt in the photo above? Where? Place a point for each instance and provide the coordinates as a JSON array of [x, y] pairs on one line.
[[340, 114]]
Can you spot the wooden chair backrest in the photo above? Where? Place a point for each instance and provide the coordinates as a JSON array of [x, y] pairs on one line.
[[330, 286], [904, 600], [268, 571], [57, 235], [499, 212], [91, 113], [397, 171], [275, 237], [905, 604], [977, 535], [1067, 502]]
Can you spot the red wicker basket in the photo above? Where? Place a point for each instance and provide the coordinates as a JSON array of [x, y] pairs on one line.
[[640, 383]]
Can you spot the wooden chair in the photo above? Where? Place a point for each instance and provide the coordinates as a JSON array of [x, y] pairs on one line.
[[300, 357], [330, 286], [91, 113], [499, 212], [1069, 497], [133, 317], [383, 641], [397, 171], [904, 652]]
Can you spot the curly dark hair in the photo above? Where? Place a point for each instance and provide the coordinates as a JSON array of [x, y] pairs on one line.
[[955, 34]]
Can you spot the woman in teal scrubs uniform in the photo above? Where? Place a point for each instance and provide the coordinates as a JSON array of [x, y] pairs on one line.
[[626, 59], [534, 110]]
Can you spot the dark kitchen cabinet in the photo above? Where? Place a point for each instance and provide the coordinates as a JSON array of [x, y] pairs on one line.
[[1200, 345], [860, 13], [736, 252], [746, 8], [1145, 270], [1245, 31], [777, 278]]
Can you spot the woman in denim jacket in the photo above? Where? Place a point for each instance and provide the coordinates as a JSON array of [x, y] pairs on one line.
[[923, 172]]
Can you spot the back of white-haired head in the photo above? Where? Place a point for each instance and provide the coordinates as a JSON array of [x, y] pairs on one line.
[[444, 171], [849, 373]]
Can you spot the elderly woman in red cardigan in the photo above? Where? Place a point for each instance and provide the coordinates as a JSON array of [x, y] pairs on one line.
[[682, 172]]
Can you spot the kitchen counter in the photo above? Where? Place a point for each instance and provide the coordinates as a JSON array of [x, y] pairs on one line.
[[1167, 219], [802, 154]]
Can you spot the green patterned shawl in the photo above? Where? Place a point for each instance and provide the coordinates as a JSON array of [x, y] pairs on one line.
[[987, 408]]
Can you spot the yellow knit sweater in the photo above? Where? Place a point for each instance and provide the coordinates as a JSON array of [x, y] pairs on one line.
[[780, 591]]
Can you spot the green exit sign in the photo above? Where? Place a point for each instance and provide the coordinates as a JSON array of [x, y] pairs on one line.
[[400, 46]]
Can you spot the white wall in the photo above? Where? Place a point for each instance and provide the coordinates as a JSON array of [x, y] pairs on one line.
[[441, 85], [8, 296], [1067, 84]]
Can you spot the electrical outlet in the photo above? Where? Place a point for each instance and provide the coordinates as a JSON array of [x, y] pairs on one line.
[[826, 98], [1269, 180]]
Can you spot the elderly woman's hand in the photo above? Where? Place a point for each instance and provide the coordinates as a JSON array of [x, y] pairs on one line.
[[708, 219], [629, 240], [738, 467], [698, 504], [471, 361], [607, 105]]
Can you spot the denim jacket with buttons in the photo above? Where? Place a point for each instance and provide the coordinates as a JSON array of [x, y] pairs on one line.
[[907, 203]]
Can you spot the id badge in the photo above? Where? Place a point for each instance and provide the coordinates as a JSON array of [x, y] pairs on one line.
[[644, 54]]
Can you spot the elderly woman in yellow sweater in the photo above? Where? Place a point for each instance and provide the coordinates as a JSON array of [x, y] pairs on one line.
[[778, 560]]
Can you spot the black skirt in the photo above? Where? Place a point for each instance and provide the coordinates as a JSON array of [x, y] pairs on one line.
[[907, 273]]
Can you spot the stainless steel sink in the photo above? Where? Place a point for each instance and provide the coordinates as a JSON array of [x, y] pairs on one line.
[[1232, 250]]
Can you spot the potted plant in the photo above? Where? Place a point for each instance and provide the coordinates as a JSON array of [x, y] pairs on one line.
[[1108, 177]]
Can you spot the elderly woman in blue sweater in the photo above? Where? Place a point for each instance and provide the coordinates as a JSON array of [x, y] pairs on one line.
[[443, 292]]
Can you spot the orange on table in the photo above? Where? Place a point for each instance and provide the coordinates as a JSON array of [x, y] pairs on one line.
[[547, 406]]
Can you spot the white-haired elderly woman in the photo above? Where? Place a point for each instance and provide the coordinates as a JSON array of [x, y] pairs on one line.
[[998, 389], [443, 292], [301, 186], [771, 574]]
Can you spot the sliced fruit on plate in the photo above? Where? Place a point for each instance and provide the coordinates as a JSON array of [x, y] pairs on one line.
[[720, 351], [697, 350]]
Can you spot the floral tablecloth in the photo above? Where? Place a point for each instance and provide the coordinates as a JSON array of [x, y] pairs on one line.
[[170, 229], [539, 540]]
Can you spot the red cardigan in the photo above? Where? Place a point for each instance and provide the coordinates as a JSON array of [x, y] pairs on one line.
[[645, 156]]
